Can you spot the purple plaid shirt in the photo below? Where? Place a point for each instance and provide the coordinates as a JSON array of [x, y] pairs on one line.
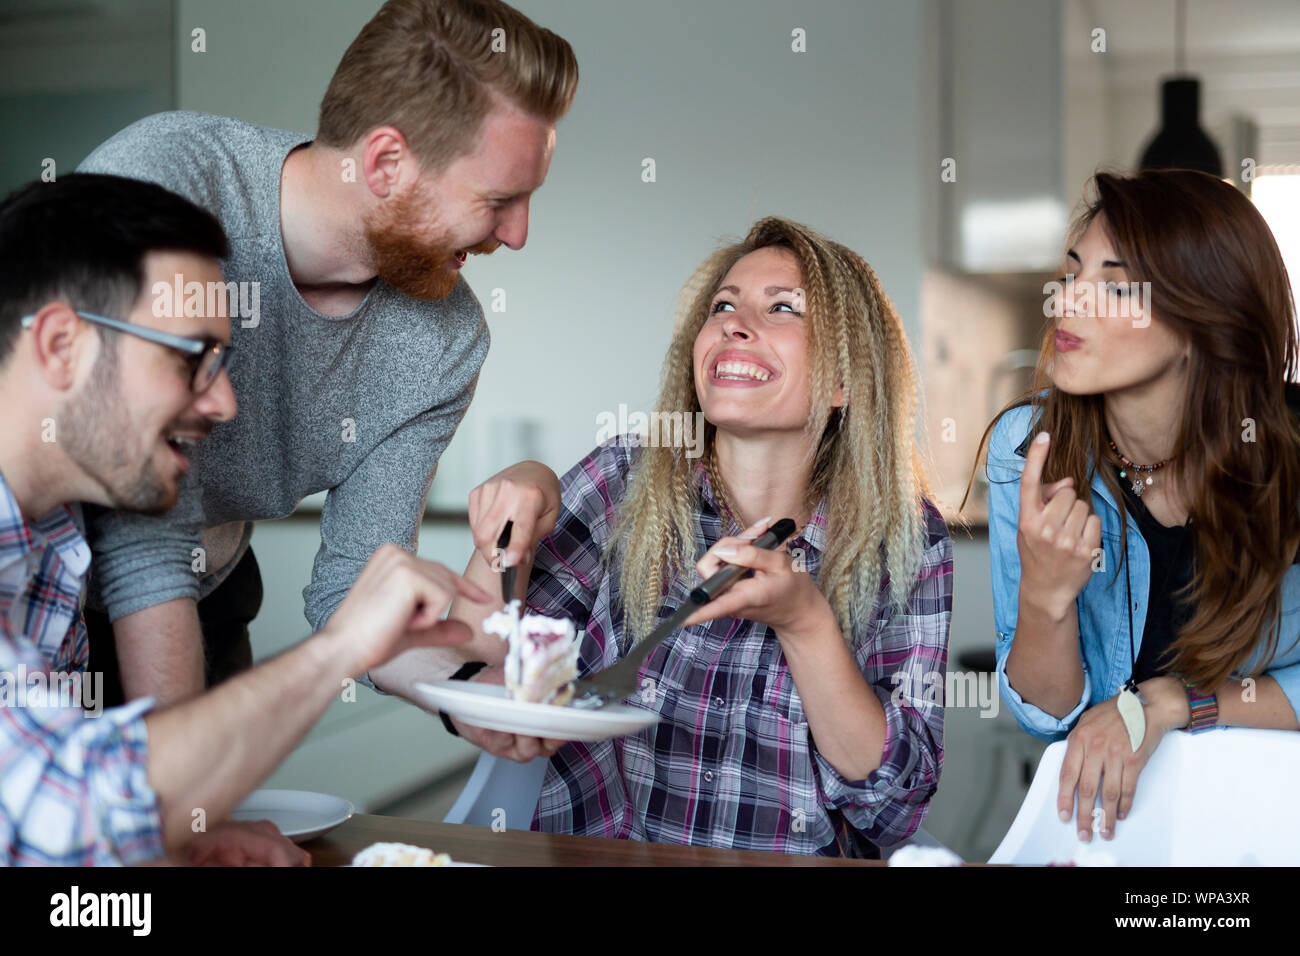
[[732, 762], [74, 788]]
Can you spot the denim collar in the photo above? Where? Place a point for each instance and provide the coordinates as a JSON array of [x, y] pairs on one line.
[[1095, 481]]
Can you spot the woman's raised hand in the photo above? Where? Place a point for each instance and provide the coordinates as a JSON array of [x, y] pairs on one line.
[[1057, 535], [779, 593], [528, 494]]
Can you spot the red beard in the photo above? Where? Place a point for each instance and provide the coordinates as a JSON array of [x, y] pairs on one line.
[[421, 267]]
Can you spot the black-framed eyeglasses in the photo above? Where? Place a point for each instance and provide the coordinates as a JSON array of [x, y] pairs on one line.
[[207, 357]]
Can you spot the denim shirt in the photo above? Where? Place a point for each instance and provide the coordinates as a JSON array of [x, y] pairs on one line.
[[1103, 623]]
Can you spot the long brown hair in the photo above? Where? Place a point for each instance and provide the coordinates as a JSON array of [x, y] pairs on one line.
[[1218, 280], [868, 458]]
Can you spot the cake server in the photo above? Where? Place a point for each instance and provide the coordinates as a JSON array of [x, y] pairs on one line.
[[620, 681]]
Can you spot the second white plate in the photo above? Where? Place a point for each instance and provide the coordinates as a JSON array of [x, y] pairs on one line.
[[300, 814], [486, 705]]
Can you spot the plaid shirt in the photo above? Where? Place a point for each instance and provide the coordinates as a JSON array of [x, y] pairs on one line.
[[732, 762], [73, 790]]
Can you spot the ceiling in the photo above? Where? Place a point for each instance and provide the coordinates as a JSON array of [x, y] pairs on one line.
[[1214, 27], [1246, 52]]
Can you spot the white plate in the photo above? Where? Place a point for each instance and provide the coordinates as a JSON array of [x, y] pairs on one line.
[[300, 814], [486, 705]]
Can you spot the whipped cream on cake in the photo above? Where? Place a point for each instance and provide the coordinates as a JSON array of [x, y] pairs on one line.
[[399, 854], [542, 662]]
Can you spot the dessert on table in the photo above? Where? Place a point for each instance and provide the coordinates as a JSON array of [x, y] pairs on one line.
[[399, 854]]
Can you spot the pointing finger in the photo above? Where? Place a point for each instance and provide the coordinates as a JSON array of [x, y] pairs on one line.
[[1031, 479]]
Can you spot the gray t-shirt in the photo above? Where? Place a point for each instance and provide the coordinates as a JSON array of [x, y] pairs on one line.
[[360, 406]]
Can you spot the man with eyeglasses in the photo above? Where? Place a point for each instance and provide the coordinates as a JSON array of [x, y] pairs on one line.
[[365, 352], [98, 393], [205, 356]]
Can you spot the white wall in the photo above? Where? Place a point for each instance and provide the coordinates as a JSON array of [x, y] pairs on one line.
[[1006, 141], [1086, 89], [739, 127]]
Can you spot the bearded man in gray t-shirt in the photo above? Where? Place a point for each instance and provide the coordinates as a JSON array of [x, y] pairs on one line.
[[357, 344]]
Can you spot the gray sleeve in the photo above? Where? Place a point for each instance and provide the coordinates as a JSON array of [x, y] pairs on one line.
[[165, 148], [143, 560], [383, 499]]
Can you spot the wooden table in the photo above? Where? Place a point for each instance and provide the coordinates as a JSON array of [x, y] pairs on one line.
[[525, 848]]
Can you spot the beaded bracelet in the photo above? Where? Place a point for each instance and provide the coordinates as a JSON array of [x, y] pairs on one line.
[[1204, 707]]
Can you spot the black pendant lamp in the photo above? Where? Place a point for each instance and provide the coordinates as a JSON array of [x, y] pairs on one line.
[[1180, 143]]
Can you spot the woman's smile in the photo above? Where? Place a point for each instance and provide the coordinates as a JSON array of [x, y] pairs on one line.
[[736, 368]]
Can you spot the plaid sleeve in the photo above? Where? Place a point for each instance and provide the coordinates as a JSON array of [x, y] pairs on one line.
[[74, 788], [904, 662], [567, 569]]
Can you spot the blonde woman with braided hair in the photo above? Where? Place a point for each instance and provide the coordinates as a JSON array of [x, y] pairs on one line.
[[801, 711]]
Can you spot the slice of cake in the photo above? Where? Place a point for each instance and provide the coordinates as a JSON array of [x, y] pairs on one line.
[[399, 854], [542, 662]]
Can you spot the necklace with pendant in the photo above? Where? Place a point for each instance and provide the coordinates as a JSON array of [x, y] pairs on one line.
[[1131, 701], [1133, 471]]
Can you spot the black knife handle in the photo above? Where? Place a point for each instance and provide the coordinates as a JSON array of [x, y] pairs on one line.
[[507, 574], [719, 582]]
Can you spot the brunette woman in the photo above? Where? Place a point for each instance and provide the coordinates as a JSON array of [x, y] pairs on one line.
[[1144, 502]]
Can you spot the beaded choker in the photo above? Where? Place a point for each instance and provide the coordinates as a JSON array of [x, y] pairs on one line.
[[1134, 472]]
